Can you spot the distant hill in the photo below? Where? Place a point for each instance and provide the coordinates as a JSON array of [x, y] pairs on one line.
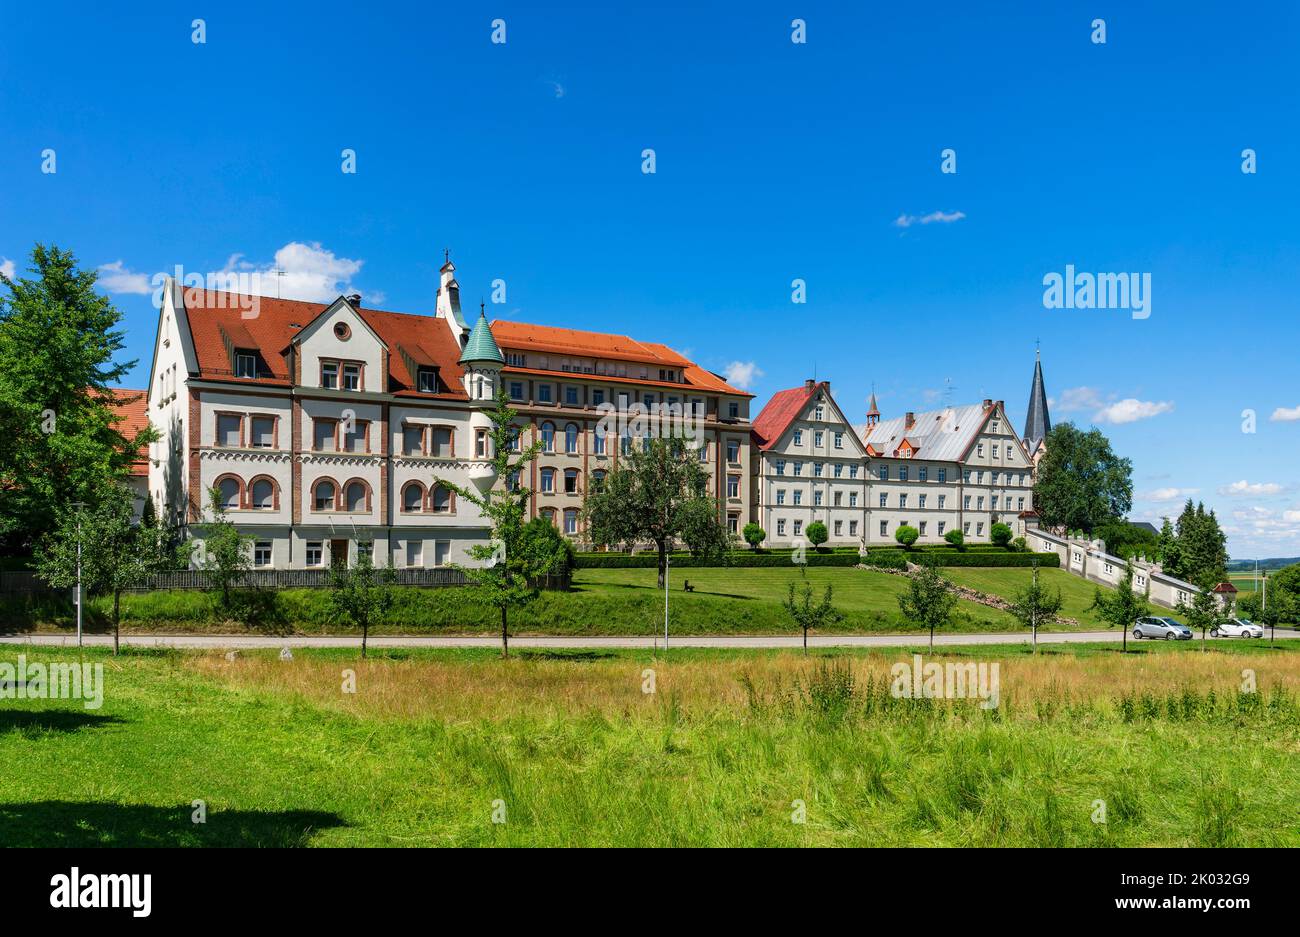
[[1243, 566]]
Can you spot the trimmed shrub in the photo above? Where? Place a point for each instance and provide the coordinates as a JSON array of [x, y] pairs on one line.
[[817, 533], [1000, 534], [754, 535], [955, 537], [906, 535], [894, 558]]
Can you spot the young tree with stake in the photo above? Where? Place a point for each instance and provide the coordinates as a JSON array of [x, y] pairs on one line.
[[115, 554], [1035, 604], [807, 615], [362, 593], [1123, 607], [508, 577], [929, 599]]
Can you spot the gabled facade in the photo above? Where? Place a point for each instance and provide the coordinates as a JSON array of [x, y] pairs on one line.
[[958, 468], [322, 427], [808, 466]]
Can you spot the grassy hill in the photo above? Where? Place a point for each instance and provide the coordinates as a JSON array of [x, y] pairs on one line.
[[603, 601]]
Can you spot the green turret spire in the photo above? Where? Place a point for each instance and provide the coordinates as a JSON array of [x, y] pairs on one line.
[[481, 346]]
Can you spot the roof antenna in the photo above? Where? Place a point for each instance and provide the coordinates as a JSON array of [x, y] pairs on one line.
[[947, 392], [279, 275]]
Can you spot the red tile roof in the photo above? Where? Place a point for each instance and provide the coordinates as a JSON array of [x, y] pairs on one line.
[[271, 325], [782, 410], [522, 336], [132, 406]]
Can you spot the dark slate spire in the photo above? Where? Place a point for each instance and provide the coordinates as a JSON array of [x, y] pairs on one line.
[[1037, 421]]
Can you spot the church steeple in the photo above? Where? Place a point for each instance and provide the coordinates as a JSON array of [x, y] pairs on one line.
[[1037, 421], [873, 412]]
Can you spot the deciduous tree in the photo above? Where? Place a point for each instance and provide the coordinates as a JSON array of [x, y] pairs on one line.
[[1081, 482]]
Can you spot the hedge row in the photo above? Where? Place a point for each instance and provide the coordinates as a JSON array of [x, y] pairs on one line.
[[898, 559], [685, 560]]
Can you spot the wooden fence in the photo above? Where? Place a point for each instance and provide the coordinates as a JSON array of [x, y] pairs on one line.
[[30, 583]]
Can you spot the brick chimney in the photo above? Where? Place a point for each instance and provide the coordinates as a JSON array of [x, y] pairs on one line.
[[987, 403], [809, 384], [910, 420]]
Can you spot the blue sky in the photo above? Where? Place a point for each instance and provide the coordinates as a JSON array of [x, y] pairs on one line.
[[774, 161]]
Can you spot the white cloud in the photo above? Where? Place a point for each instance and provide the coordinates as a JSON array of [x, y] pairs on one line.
[[1292, 517], [906, 221], [1285, 415], [1130, 410], [1244, 488], [300, 271], [1166, 494], [742, 374], [1074, 399], [7, 267], [557, 88], [116, 278]]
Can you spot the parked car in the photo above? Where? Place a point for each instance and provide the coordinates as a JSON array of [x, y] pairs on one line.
[[1167, 628], [1237, 628]]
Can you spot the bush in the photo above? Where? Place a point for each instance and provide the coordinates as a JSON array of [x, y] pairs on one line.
[[955, 537], [754, 535], [817, 533], [906, 535], [1019, 545], [1000, 534]]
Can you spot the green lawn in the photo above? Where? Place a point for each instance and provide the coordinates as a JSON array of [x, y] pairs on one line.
[[603, 601], [1076, 593], [569, 750]]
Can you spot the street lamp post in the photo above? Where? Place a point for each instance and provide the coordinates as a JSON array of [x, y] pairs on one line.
[[79, 505]]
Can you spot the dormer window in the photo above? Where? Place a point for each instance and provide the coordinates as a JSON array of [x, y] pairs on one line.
[[245, 364], [426, 380]]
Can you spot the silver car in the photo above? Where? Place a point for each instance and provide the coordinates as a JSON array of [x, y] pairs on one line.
[[1237, 628], [1166, 628]]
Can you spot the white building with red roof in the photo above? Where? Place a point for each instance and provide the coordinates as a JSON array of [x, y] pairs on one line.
[[808, 466], [956, 468], [323, 426]]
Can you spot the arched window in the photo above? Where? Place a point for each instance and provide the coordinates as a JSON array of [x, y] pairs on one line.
[[571, 438], [548, 479], [441, 500], [548, 514], [548, 436], [599, 444], [262, 495], [229, 488], [354, 496], [412, 498], [323, 496], [597, 479], [570, 481]]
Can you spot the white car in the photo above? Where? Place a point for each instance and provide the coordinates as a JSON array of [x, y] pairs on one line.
[[1237, 628]]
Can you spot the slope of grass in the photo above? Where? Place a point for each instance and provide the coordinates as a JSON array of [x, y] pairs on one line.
[[1076, 593], [603, 601], [729, 750]]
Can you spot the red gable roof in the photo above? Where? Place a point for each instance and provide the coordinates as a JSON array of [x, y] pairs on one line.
[[522, 336], [782, 410], [267, 326], [132, 408]]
